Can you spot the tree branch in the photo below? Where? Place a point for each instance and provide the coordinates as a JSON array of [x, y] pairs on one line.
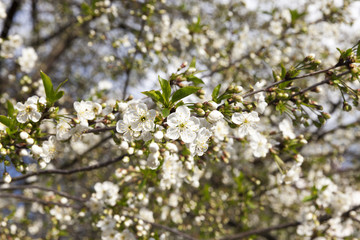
[[17, 187], [27, 199], [67, 172]]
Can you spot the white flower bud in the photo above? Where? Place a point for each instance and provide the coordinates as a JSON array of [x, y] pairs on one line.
[[122, 106], [171, 147], [126, 159], [24, 135], [111, 116], [191, 70], [214, 116], [212, 105], [30, 141], [42, 164], [153, 160], [124, 145], [35, 149], [3, 151], [159, 135], [23, 152], [131, 151], [7, 178], [153, 147]]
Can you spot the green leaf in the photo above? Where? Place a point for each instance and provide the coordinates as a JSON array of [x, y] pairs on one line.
[[59, 95], [166, 89], [215, 93], [193, 63], [195, 80], [60, 85], [5, 120], [358, 50], [283, 71], [183, 92], [156, 96], [281, 107], [49, 89], [223, 97], [10, 108], [309, 198], [165, 112]]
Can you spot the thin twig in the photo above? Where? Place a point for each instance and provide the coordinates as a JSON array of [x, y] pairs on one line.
[[166, 228], [67, 172], [27, 199], [17, 187], [322, 219]]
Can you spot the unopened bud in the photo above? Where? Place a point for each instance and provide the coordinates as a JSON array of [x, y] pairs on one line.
[[238, 89], [237, 98], [30, 141], [184, 64], [326, 115], [200, 112], [24, 135], [7, 177], [347, 107]]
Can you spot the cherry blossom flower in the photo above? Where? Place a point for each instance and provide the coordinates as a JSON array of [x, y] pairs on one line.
[[87, 110], [48, 149], [199, 146], [182, 125], [141, 118], [246, 122], [125, 127], [29, 110], [63, 130]]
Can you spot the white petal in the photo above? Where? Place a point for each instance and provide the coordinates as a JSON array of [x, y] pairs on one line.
[[188, 136], [172, 133]]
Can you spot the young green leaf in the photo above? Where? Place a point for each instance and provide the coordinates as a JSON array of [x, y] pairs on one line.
[[183, 92], [49, 89], [195, 80], [165, 112], [10, 108], [166, 89], [60, 85], [5, 120], [156, 96], [215, 93], [193, 63]]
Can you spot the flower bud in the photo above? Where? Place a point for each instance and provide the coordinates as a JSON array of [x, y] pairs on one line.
[[7, 177], [214, 116], [200, 112], [191, 70], [238, 89], [212, 105], [24, 135], [153, 147], [30, 141], [35, 149]]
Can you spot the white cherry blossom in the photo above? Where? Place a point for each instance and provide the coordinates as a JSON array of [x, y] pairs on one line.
[[142, 119], [182, 125], [246, 122], [29, 109], [199, 146], [48, 149]]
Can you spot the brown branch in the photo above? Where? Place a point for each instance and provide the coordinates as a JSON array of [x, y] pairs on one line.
[[326, 80], [27, 199], [10, 13], [73, 161], [166, 228], [322, 219], [129, 68], [289, 79], [17, 187], [67, 172]]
